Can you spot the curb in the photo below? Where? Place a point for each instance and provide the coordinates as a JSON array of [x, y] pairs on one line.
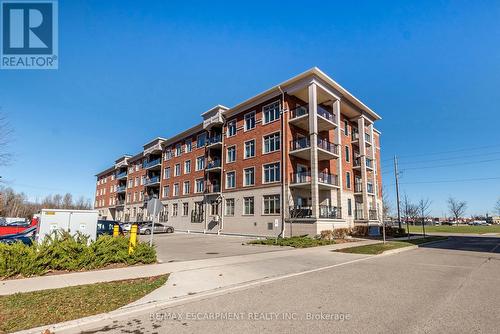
[[398, 250]]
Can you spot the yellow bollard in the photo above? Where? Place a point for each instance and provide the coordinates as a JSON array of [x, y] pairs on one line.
[[133, 238], [116, 230]]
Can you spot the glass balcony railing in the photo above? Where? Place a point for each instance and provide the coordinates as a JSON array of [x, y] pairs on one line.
[[216, 139], [213, 188], [299, 144], [121, 189], [121, 175], [325, 211], [328, 179], [325, 178], [355, 134], [328, 146], [152, 180], [368, 138], [151, 163], [326, 114], [358, 187], [369, 163], [299, 111], [358, 214], [214, 164]]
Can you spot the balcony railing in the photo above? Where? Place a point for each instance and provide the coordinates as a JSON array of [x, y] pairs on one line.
[[212, 188], [299, 111], [372, 214], [152, 180], [358, 187], [328, 178], [214, 164], [121, 175], [216, 139], [302, 177], [355, 134], [331, 212], [357, 162], [358, 214], [151, 163], [328, 146], [120, 202], [369, 163], [299, 144], [369, 188], [326, 114], [368, 138], [121, 189]]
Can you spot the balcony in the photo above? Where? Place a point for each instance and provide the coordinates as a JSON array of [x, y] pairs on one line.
[[325, 181], [216, 119], [326, 119], [325, 211], [358, 214], [368, 139], [121, 175], [214, 165], [152, 181], [212, 189], [372, 214], [152, 163], [358, 188], [121, 189], [214, 141], [370, 188], [369, 163], [326, 150], [120, 202]]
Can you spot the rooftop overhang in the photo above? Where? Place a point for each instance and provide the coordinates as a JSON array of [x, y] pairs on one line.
[[154, 146], [122, 161]]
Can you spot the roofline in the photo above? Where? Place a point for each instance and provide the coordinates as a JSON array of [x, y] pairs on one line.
[[219, 106], [153, 140], [320, 74], [110, 169]]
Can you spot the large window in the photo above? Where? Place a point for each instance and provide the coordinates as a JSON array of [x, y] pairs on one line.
[[230, 180], [200, 163], [185, 209], [272, 143], [186, 187], [231, 128], [249, 179], [176, 189], [200, 141], [271, 112], [349, 207], [177, 170], [200, 186], [346, 127], [348, 180], [166, 173], [229, 206], [175, 209], [231, 154], [166, 191], [248, 208], [347, 154], [272, 172], [250, 121], [272, 204], [189, 145], [187, 166], [249, 149]]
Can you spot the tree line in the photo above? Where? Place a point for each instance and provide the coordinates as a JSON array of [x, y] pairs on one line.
[[17, 204]]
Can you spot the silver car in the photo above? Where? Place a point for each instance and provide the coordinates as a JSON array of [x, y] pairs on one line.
[[159, 228]]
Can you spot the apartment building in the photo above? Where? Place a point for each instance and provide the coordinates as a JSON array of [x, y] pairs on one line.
[[298, 158]]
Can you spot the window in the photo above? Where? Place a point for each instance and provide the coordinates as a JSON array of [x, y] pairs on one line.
[[248, 206], [249, 149], [202, 138], [185, 209], [136, 181], [130, 183], [214, 208], [186, 188], [347, 154], [128, 198], [166, 173], [249, 179], [137, 167], [346, 128], [231, 154], [187, 167], [176, 189], [272, 143], [175, 209], [189, 145], [200, 163], [166, 191], [200, 186], [178, 150], [272, 172], [349, 207], [250, 121], [143, 179], [272, 204], [141, 196], [230, 180], [134, 197], [231, 128], [229, 206], [271, 112], [177, 170], [168, 154], [348, 180]]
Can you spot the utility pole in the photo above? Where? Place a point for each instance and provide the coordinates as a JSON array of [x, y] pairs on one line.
[[396, 175]]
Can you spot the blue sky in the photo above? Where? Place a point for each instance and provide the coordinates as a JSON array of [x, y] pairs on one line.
[[133, 70]]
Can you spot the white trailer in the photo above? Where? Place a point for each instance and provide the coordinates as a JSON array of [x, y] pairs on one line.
[[83, 221]]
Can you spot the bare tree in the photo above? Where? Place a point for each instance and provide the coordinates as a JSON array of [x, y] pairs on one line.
[[410, 212], [5, 137], [456, 208], [386, 206], [423, 210], [67, 201]]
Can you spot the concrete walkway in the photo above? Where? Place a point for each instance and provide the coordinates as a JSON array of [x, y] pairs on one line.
[[223, 271]]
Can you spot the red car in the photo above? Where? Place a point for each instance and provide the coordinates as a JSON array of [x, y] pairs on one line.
[[17, 227]]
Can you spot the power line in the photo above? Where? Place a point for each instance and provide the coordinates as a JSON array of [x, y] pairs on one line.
[[449, 181], [445, 165], [443, 152]]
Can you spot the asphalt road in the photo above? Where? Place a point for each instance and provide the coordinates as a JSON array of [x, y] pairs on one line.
[[449, 287]]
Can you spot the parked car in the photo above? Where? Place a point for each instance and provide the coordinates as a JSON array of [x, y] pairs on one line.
[[26, 237], [159, 228], [105, 227], [127, 226]]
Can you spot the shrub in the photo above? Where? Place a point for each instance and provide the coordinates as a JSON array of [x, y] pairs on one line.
[[394, 231], [326, 235], [341, 233], [62, 251], [359, 231]]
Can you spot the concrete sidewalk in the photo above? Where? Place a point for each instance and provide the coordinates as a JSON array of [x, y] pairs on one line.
[[248, 267]]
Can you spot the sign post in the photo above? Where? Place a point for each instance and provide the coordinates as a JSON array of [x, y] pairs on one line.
[[153, 209]]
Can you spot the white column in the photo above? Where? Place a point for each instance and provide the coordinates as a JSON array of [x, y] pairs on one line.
[[313, 137], [375, 173], [338, 140], [362, 153]]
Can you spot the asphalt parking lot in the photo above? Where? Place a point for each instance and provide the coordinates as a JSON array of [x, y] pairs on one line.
[[196, 246]]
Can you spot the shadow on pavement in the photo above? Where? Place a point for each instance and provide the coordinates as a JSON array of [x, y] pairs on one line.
[[470, 244]]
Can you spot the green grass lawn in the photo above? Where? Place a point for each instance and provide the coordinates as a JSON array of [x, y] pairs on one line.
[[297, 242], [33, 309], [457, 229], [381, 247]]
